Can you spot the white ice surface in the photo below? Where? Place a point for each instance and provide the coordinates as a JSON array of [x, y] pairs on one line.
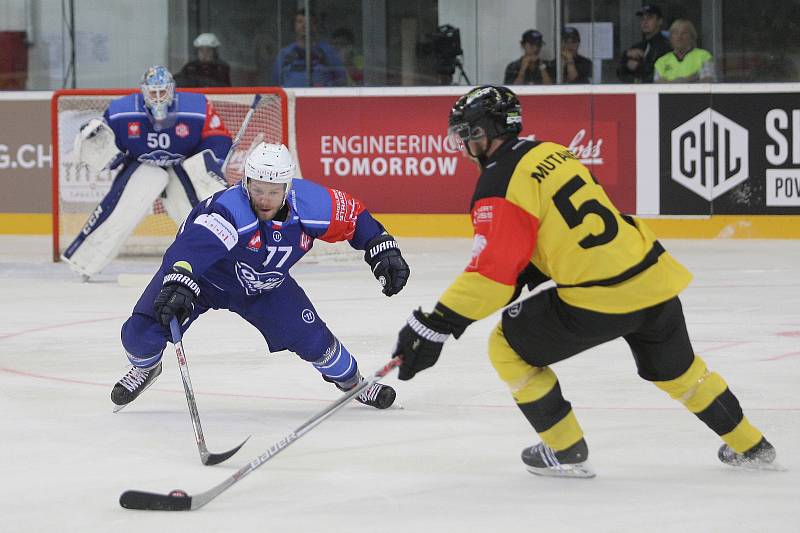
[[448, 462]]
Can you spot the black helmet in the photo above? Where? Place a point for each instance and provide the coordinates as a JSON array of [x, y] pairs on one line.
[[493, 109]]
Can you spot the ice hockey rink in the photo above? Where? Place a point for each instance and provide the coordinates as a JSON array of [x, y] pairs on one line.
[[447, 461]]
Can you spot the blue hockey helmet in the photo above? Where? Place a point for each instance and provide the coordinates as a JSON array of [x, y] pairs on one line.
[[158, 90]]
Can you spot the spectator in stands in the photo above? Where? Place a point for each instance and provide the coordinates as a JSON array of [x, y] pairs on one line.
[[686, 63], [530, 69], [344, 41], [207, 69], [327, 69], [576, 68], [637, 64]]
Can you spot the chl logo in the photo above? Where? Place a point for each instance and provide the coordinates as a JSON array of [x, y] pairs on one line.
[[710, 154]]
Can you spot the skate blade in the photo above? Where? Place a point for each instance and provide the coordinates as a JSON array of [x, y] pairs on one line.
[[118, 408], [577, 470], [763, 467]]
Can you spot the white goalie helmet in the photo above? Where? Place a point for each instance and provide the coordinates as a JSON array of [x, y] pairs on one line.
[[158, 90], [270, 163]]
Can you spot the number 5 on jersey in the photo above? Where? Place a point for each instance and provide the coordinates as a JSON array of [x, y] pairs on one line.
[[574, 217]]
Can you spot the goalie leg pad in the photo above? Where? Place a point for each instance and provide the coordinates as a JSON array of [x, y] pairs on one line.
[[132, 194], [180, 197]]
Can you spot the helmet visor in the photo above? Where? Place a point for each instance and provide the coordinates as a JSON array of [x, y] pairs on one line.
[[460, 134]]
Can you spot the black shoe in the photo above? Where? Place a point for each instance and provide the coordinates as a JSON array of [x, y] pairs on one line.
[[544, 461], [759, 455], [378, 395], [132, 384]]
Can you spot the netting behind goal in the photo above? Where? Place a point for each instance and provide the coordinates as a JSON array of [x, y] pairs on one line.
[[76, 191]]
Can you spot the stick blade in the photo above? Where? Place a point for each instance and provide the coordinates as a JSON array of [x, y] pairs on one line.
[[216, 458], [150, 501]]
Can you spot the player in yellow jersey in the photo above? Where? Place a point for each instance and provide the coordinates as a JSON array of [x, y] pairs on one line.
[[538, 214]]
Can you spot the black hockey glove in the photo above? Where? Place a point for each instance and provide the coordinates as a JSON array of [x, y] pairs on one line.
[[420, 342], [178, 294], [387, 264]]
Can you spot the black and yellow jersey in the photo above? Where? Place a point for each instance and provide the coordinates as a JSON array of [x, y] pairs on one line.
[[535, 203]]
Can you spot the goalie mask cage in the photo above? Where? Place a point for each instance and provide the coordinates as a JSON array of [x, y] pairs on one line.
[[76, 191]]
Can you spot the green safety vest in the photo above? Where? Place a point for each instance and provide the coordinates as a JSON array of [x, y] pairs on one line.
[[670, 67]]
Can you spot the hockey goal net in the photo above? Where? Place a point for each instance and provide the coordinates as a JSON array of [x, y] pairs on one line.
[[76, 191]]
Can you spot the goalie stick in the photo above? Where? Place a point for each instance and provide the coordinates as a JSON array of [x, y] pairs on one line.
[[178, 500], [206, 457]]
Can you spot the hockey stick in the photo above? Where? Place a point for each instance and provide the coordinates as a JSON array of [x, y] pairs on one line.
[[238, 138], [206, 457], [178, 500]]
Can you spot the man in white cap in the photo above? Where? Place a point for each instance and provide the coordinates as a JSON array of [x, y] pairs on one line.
[[207, 70]]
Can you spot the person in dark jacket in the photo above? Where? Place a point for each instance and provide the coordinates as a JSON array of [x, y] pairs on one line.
[[637, 63], [208, 70]]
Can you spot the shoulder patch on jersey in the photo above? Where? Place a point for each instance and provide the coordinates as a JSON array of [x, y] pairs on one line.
[[125, 107], [191, 102], [312, 203], [236, 202], [220, 227]]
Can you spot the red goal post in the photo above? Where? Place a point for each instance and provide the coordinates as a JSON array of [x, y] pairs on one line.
[[75, 192]]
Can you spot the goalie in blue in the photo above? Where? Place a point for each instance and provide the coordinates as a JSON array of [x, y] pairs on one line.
[[161, 141], [234, 252]]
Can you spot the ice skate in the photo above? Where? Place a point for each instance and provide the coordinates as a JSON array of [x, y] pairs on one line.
[[377, 395], [132, 384], [759, 457], [544, 461]]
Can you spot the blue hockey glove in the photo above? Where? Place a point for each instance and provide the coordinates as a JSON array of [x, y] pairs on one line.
[[387, 264], [179, 292]]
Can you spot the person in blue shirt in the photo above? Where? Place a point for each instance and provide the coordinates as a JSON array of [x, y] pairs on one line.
[[327, 68], [161, 141], [234, 252]]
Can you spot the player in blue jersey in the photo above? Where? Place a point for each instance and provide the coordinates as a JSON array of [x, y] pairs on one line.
[[162, 142], [234, 252]]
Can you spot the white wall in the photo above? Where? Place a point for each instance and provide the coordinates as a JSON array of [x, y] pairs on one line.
[[491, 31], [115, 42], [12, 15]]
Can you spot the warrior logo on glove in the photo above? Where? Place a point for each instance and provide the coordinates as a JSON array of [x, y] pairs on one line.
[[388, 266]]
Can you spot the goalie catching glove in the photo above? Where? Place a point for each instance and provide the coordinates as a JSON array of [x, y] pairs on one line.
[[421, 340], [179, 292], [94, 146], [387, 264]]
